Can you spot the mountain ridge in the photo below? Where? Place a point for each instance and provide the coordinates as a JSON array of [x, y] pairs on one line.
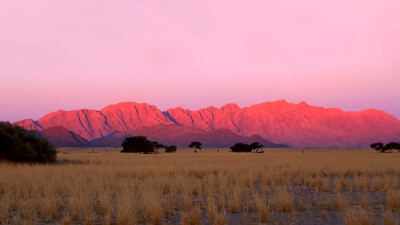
[[298, 125]]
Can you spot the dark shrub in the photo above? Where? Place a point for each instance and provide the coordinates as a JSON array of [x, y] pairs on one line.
[[393, 145], [139, 144], [170, 149], [389, 147], [20, 145], [256, 147], [195, 145], [377, 145], [241, 147], [157, 146]]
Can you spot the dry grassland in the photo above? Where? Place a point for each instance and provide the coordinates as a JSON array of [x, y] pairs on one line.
[[277, 187]]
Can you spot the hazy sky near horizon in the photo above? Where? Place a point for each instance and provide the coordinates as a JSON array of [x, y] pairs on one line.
[[194, 53]]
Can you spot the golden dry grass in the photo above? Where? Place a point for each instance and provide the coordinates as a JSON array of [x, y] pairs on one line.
[[389, 218], [342, 201], [393, 199], [358, 216], [364, 200], [207, 187], [262, 207], [283, 201]]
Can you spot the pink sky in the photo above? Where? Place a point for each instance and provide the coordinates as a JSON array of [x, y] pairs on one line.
[[88, 54]]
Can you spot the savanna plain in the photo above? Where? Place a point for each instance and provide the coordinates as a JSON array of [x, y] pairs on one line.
[[213, 186]]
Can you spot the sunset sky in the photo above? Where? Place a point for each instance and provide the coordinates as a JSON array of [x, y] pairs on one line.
[[76, 54]]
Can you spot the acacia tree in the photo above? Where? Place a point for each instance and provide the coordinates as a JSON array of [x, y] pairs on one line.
[[241, 147], [393, 146], [256, 147], [157, 146], [378, 146], [170, 149], [138, 144], [389, 147], [195, 145]]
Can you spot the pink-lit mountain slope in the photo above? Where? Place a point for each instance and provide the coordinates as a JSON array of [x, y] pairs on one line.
[[298, 125], [61, 137], [181, 136], [93, 124]]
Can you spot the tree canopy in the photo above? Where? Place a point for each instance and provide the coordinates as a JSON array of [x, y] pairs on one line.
[[20, 145], [140, 144], [157, 146], [241, 147], [170, 149], [195, 145], [389, 147]]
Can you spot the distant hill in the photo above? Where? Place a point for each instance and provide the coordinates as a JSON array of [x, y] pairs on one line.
[[279, 122], [167, 135], [61, 137], [181, 136]]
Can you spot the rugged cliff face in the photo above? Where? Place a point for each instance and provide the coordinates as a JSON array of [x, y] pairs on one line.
[[298, 125]]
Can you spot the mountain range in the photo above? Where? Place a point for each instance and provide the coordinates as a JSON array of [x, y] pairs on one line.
[[274, 124]]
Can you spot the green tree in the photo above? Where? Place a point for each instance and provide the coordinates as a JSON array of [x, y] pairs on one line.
[[20, 145]]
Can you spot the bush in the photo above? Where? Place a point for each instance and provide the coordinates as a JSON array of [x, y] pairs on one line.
[[386, 148], [195, 145], [170, 149], [241, 147], [20, 145], [140, 144]]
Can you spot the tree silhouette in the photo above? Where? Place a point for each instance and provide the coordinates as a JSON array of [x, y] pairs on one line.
[[256, 147], [157, 146], [170, 149], [20, 145], [392, 146], [195, 145], [241, 147], [377, 146], [395, 146], [138, 144], [386, 148]]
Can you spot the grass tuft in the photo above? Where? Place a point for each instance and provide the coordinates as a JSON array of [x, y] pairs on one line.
[[358, 216]]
